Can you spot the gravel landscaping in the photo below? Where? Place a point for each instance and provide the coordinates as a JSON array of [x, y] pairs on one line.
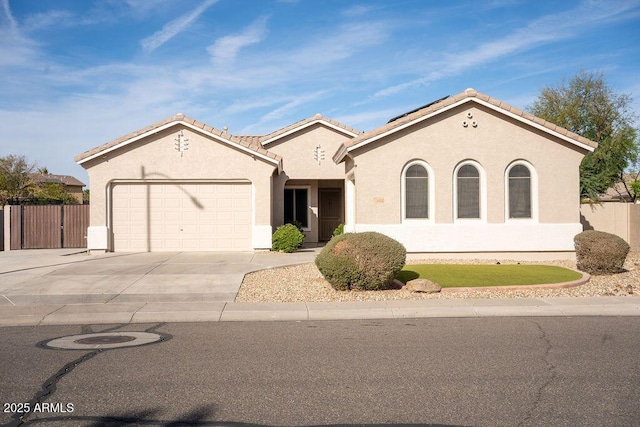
[[304, 283]]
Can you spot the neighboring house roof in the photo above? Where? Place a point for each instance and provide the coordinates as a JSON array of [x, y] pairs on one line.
[[618, 193], [67, 180], [302, 124], [249, 146], [470, 95]]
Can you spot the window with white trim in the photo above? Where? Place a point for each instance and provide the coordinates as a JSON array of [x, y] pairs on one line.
[[519, 187], [416, 192], [468, 192], [296, 206]]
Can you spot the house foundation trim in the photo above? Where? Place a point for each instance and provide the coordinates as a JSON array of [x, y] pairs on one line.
[[470, 238]]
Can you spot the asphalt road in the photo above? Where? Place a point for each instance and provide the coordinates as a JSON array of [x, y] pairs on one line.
[[479, 372]]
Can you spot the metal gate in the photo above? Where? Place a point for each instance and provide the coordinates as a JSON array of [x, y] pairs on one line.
[[49, 227]]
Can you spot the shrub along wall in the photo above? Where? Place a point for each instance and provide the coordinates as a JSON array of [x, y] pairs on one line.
[[361, 261], [621, 219]]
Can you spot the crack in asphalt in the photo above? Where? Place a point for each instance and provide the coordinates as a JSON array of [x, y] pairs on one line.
[[51, 384], [551, 370], [49, 387]]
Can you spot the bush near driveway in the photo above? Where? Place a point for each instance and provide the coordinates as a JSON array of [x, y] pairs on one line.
[[598, 252], [361, 261], [287, 238]]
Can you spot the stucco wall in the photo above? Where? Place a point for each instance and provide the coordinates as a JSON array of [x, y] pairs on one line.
[[300, 168], [443, 143], [297, 151], [155, 158], [621, 219]]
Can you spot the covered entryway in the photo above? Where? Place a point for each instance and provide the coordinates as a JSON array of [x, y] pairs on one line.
[[330, 211], [181, 216]]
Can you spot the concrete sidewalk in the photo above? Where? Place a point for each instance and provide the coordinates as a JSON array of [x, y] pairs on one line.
[[146, 312], [56, 287]]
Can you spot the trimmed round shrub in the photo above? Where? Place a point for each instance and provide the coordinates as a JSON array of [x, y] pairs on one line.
[[287, 238], [361, 261], [338, 230], [598, 252]]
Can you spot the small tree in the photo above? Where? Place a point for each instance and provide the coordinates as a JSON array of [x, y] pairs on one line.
[[586, 105], [51, 193], [15, 179]]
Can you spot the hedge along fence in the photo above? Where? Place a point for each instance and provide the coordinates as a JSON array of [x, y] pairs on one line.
[[621, 219]]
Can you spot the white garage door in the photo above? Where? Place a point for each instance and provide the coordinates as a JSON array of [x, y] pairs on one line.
[[181, 217]]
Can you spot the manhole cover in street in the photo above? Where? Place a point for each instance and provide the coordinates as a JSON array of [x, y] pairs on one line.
[[104, 340]]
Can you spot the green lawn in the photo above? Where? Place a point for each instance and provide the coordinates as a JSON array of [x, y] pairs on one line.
[[459, 275]]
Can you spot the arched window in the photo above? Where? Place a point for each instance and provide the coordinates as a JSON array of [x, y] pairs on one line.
[[520, 192], [468, 189], [416, 192]]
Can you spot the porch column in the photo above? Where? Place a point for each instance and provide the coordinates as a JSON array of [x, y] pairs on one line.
[[350, 204], [7, 227]]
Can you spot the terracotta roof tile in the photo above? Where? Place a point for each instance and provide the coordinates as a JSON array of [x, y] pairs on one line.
[[178, 118], [469, 93], [64, 179], [303, 122]]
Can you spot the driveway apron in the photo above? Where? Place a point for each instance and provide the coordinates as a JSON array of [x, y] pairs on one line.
[[47, 278]]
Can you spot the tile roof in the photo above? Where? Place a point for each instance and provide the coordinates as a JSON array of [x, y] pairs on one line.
[[251, 145], [470, 94], [62, 179], [318, 118]]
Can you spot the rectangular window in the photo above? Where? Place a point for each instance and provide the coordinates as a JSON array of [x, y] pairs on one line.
[[468, 192], [417, 194], [296, 206], [519, 192]]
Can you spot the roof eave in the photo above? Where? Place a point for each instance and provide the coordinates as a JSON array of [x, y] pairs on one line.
[[339, 156], [521, 118], [274, 160], [306, 125]]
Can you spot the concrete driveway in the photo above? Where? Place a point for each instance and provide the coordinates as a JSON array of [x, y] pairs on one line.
[[34, 277], [62, 287]]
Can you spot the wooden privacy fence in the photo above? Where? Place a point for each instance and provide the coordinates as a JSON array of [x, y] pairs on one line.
[[48, 227]]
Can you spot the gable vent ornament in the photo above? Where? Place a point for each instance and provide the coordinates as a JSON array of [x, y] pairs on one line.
[[318, 154], [182, 143], [465, 123]]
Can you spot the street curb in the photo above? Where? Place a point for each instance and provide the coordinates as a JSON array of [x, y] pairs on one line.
[[87, 314]]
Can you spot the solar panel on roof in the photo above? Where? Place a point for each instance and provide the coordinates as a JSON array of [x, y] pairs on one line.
[[417, 109]]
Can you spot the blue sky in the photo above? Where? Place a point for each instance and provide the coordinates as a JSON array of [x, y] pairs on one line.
[[79, 73]]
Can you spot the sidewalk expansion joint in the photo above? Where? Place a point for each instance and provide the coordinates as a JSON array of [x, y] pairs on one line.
[[50, 313]]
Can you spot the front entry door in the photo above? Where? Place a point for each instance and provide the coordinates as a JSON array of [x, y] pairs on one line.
[[330, 212]]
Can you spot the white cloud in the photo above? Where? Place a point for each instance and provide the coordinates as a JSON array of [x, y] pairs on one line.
[[244, 105], [358, 10], [175, 27], [53, 18], [15, 48], [225, 49], [8, 16], [144, 6], [292, 103], [548, 29], [368, 120]]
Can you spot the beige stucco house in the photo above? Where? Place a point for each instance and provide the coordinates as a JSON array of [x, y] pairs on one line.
[[467, 175]]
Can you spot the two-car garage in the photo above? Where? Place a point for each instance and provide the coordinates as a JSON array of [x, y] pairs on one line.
[[180, 185], [181, 216]]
